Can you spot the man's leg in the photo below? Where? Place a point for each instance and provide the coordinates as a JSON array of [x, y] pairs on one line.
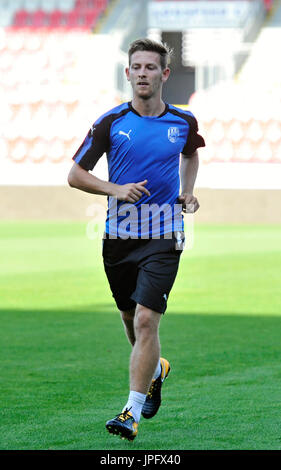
[[144, 357], [143, 365], [147, 370], [146, 350], [128, 321]]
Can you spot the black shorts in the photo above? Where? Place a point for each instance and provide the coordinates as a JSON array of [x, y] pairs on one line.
[[141, 271]]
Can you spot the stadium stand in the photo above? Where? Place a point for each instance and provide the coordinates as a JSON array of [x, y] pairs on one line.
[[43, 111], [42, 99], [238, 128], [242, 117], [52, 14]]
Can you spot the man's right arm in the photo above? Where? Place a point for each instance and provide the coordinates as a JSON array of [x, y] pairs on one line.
[[81, 179]]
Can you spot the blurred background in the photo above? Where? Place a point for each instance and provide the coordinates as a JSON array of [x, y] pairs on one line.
[[62, 65]]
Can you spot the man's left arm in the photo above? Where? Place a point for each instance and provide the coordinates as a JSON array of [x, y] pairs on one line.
[[188, 172]]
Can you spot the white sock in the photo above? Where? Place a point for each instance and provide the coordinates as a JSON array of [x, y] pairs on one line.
[[157, 371], [135, 403]]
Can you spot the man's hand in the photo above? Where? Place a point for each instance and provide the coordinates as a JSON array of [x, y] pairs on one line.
[[189, 203], [131, 192]]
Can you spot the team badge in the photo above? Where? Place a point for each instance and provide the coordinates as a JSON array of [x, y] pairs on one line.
[[173, 134]]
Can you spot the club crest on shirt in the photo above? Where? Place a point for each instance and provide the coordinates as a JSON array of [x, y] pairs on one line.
[[173, 134]]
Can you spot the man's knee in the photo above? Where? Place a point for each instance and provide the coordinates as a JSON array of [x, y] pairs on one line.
[[146, 320]]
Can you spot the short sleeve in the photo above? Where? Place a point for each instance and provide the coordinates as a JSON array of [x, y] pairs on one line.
[[194, 140], [95, 144]]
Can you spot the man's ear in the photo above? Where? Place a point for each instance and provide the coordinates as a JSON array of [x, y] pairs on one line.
[[165, 74], [127, 73]]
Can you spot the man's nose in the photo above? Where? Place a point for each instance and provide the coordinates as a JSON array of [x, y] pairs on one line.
[[142, 73]]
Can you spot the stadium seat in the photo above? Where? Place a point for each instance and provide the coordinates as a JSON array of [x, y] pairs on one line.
[[224, 151], [254, 131], [216, 132], [84, 4], [41, 85], [90, 16], [56, 152], [70, 147], [75, 19], [18, 150], [21, 19], [263, 152], [38, 151], [268, 4], [235, 131], [57, 13], [273, 131], [40, 19], [102, 3], [244, 151], [56, 19], [207, 154]]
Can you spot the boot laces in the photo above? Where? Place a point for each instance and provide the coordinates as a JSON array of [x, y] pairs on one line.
[[124, 415], [153, 387]]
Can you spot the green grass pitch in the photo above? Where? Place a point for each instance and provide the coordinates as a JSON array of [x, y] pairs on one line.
[[64, 355]]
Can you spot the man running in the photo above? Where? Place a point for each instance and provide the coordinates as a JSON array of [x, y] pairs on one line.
[[151, 148]]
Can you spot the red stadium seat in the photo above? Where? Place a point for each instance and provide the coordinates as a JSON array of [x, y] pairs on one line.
[[57, 19], [82, 4], [40, 19], [95, 4], [83, 16], [90, 17], [72, 18], [102, 3], [75, 19], [21, 19]]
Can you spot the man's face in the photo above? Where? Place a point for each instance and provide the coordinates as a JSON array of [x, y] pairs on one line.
[[145, 74]]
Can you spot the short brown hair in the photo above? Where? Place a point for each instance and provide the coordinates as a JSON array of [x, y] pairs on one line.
[[150, 45]]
